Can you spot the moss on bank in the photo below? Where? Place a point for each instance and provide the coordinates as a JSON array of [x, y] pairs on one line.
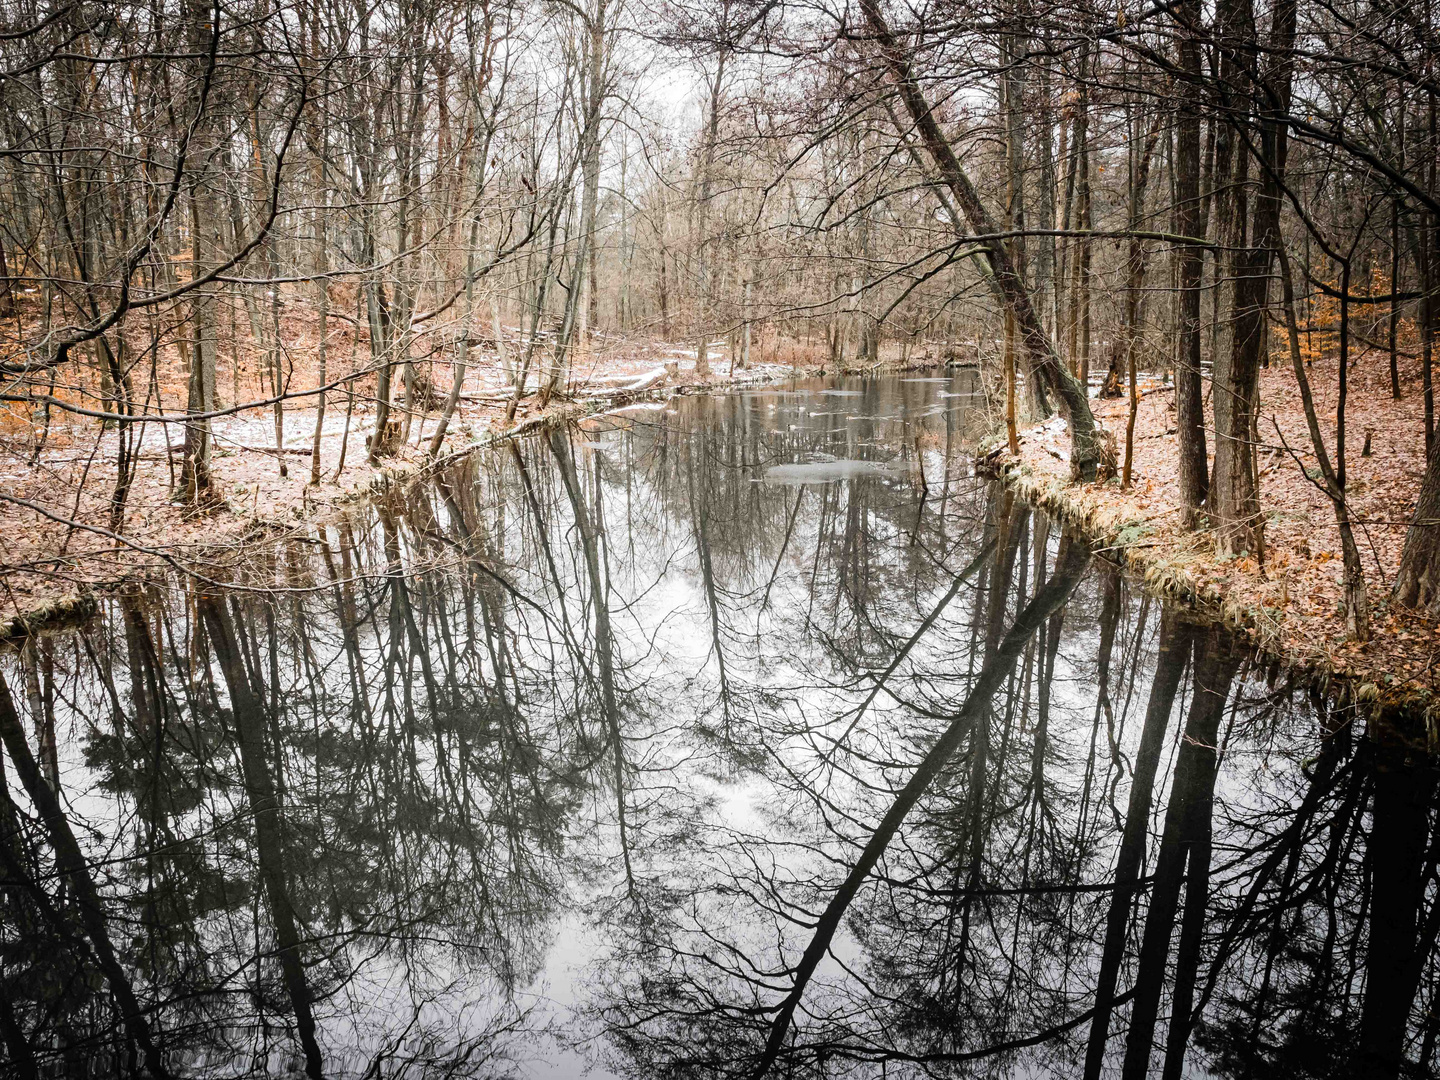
[[60, 613]]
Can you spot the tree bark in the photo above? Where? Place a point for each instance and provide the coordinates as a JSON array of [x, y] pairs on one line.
[[1134, 285], [1417, 583], [195, 481], [1234, 495], [1189, 213]]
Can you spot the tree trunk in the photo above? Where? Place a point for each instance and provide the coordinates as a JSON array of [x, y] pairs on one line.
[[322, 304], [1010, 289], [1417, 584], [195, 481], [593, 82], [702, 241], [1189, 214], [462, 347], [1234, 495], [1357, 608], [1134, 286]]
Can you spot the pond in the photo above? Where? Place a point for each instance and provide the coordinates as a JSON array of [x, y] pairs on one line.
[[750, 735]]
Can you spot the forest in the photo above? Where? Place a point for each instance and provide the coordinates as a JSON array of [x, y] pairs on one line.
[[719, 539]]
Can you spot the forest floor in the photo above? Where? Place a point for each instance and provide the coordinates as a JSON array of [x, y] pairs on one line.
[[1290, 600], [49, 564]]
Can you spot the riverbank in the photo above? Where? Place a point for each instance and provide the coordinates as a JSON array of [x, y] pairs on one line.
[[58, 552], [1291, 602]]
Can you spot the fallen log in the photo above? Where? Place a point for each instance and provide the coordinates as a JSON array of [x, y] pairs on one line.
[[302, 451], [644, 382], [225, 444], [487, 395]]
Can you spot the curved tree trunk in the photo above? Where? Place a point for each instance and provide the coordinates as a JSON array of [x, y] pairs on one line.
[[1010, 288]]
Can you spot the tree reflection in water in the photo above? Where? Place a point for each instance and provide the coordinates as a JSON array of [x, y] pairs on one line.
[[618, 749]]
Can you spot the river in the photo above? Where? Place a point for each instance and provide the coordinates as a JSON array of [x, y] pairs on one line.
[[749, 733]]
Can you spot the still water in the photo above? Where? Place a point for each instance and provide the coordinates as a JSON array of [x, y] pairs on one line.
[[749, 735]]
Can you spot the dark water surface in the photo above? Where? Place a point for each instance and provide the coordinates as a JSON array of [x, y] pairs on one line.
[[700, 741]]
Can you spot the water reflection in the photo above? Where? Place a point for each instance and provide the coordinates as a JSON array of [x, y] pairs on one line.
[[753, 735]]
